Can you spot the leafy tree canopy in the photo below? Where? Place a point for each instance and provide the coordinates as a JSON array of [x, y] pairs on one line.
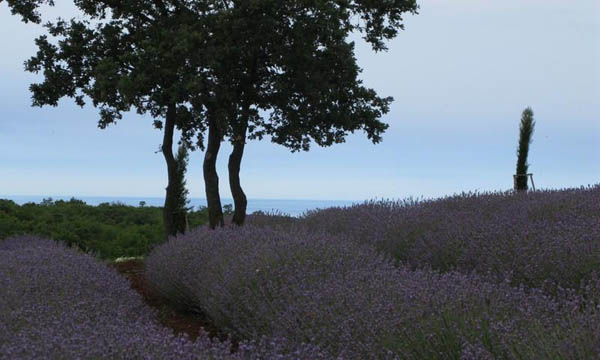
[[123, 55], [286, 68], [288, 58], [242, 68], [27, 9]]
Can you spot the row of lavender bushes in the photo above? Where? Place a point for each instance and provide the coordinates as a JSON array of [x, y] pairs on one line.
[[58, 303], [332, 287], [353, 302], [545, 239]]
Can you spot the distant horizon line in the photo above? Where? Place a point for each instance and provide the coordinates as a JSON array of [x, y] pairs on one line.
[[78, 197], [423, 197]]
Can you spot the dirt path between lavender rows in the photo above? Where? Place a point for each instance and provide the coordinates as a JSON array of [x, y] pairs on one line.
[[179, 321]]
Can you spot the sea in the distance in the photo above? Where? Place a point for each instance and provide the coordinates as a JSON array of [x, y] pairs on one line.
[[289, 207]]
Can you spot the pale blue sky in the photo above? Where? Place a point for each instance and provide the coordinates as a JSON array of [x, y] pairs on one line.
[[461, 74]]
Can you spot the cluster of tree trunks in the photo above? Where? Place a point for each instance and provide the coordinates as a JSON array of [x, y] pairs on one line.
[[210, 66]]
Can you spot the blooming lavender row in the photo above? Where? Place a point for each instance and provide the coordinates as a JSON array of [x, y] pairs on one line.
[[22, 242], [58, 303], [541, 239], [256, 281], [273, 219], [352, 302]]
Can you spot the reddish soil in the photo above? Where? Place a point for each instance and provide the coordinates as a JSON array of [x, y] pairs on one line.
[[179, 321]]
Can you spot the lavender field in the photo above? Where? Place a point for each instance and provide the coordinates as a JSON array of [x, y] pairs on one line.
[[58, 303], [471, 276]]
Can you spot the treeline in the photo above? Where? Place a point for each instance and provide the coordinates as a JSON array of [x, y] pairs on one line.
[[109, 230]]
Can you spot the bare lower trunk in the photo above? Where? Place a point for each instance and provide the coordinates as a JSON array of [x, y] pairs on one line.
[[170, 214], [235, 160], [239, 142], [211, 179], [521, 182]]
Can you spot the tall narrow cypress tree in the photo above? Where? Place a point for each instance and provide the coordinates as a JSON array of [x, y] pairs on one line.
[[180, 198], [525, 134]]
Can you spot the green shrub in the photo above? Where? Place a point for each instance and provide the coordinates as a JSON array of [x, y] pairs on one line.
[[108, 230]]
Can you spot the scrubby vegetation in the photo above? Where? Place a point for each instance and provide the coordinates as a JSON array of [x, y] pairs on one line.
[[471, 276], [108, 230]]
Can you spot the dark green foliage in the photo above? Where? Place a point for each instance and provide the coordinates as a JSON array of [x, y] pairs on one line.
[[123, 56], [285, 69], [139, 57], [525, 133], [27, 9], [109, 230], [181, 192], [227, 209], [293, 60], [241, 69]]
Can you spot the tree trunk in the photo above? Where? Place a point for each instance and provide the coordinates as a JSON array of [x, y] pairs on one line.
[[239, 142], [211, 179], [170, 208], [235, 159]]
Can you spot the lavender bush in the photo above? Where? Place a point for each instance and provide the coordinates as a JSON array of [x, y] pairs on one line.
[[22, 242], [273, 219], [545, 239], [355, 304], [260, 281], [453, 315], [476, 276], [58, 303]]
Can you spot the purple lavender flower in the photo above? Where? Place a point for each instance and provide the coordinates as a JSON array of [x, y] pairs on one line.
[[58, 303], [546, 239], [354, 303]]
